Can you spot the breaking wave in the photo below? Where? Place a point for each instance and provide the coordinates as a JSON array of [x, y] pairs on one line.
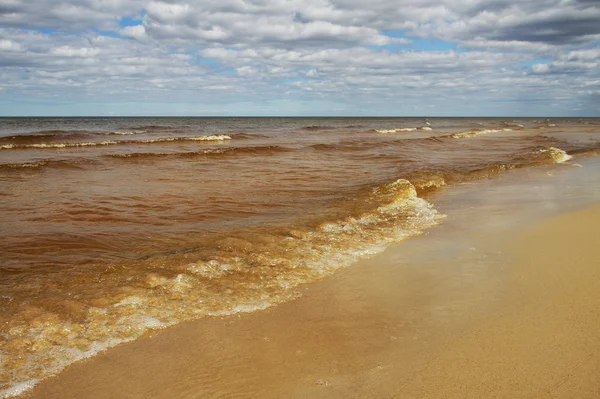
[[235, 274]]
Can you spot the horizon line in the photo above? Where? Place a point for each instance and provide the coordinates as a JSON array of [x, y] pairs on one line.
[[293, 116]]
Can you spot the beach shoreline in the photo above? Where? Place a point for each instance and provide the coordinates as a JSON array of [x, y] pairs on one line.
[[482, 321]]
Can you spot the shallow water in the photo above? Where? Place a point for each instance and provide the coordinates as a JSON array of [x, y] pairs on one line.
[[114, 226]]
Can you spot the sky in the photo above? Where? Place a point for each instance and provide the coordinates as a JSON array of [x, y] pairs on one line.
[[300, 58]]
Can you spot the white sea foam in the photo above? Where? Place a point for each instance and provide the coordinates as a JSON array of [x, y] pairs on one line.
[[131, 301], [403, 129], [475, 133], [557, 155], [243, 308], [210, 269], [18, 388]]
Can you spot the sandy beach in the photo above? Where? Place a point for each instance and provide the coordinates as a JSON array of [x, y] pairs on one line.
[[545, 343], [504, 315]]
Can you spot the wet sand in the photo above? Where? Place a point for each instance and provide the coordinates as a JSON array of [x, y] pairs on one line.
[[500, 315], [546, 343]]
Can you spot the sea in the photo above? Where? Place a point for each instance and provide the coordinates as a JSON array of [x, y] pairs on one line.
[[112, 227]]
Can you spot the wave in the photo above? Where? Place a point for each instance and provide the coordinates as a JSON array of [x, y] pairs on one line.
[[402, 129], [425, 181], [338, 147], [238, 273], [24, 165], [155, 128], [219, 137], [45, 135], [475, 133], [122, 133], [246, 136], [318, 127], [78, 163], [232, 151]]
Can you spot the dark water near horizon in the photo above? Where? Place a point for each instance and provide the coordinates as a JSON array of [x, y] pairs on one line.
[[113, 226]]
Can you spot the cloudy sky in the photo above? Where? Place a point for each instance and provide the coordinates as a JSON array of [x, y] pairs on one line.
[[300, 57]]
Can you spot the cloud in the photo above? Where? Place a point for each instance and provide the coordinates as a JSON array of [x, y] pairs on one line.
[[68, 51], [351, 55], [136, 31], [9, 45], [581, 62], [66, 15], [546, 22]]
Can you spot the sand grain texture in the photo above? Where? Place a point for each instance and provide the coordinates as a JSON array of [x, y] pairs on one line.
[[547, 343]]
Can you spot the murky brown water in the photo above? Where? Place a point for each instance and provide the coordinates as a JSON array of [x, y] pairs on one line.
[[111, 227]]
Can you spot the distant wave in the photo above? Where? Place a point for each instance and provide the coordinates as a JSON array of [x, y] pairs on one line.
[[46, 163], [155, 128], [24, 165], [246, 136], [402, 129], [33, 137], [43, 135], [219, 137], [475, 133], [339, 147], [317, 127], [230, 151]]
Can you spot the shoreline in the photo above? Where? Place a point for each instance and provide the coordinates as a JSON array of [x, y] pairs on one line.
[[383, 328]]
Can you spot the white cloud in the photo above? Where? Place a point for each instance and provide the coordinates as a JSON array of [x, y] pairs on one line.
[[68, 51], [246, 71], [135, 31], [582, 55], [9, 45], [540, 68], [167, 12], [346, 53]]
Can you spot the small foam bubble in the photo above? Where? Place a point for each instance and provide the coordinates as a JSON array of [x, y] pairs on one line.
[[150, 322], [131, 301], [210, 269], [182, 283]]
